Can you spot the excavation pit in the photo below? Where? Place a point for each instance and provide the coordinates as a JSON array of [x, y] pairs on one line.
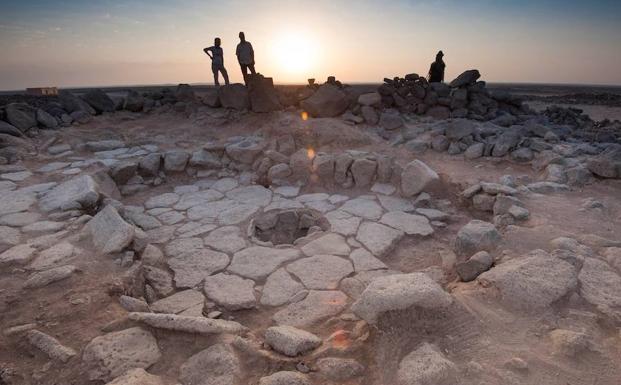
[[286, 226]]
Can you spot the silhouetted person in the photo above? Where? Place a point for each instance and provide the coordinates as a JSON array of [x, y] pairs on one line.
[[436, 71], [245, 56], [217, 61]]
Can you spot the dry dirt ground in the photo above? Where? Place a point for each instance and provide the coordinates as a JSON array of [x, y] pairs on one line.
[[488, 342]]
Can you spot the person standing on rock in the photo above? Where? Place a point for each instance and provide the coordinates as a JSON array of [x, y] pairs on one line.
[[436, 71], [217, 61], [245, 56]]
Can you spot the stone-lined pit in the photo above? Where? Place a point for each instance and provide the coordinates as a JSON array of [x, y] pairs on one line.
[[286, 226]]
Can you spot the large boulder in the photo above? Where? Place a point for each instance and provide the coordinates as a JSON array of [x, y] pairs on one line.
[[262, 94], [21, 115], [113, 354], [327, 102], [80, 192], [46, 120], [399, 292], [476, 236], [99, 100], [370, 99], [72, 103], [417, 177], [465, 78], [134, 101], [234, 96], [6, 128], [532, 282], [184, 93], [109, 231]]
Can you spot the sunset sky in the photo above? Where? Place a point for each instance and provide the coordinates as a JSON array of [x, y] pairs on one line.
[[111, 42]]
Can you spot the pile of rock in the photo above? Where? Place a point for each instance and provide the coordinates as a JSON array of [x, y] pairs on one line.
[[464, 97], [498, 199]]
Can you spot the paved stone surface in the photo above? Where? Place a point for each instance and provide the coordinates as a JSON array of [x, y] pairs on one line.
[[321, 271], [230, 291], [162, 200], [9, 236], [410, 224], [316, 307], [251, 195], [379, 239], [18, 255], [19, 219], [395, 203], [15, 202], [258, 262], [280, 288]]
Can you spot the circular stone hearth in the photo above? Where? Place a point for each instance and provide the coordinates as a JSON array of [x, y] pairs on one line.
[[286, 226]]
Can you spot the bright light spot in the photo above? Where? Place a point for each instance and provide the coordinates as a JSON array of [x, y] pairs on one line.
[[294, 52], [304, 115], [310, 153]]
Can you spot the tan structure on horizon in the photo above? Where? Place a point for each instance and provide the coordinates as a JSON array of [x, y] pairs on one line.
[[42, 91]]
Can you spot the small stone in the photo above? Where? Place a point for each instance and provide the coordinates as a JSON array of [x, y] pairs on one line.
[[473, 267], [50, 346], [216, 365], [426, 365], [477, 236], [284, 378], [339, 369]]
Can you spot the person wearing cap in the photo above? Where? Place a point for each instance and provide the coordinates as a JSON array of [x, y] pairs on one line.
[[436, 71], [217, 61], [245, 56]]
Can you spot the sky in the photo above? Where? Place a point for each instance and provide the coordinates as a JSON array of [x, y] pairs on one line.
[[75, 43]]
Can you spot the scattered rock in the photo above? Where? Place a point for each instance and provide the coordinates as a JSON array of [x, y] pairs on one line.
[[339, 369], [417, 177], [426, 366], [216, 365], [50, 346], [110, 233], [477, 236]]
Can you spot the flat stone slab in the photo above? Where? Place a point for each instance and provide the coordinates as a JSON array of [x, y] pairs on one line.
[[15, 202], [258, 262], [254, 195], [43, 227], [433, 214], [280, 288], [178, 302], [16, 176], [316, 307], [197, 198], [379, 239], [80, 192], [600, 286], [109, 232], [227, 239], [331, 243], [400, 292], [343, 222], [111, 355], [364, 208], [363, 261], [46, 277], [162, 200], [191, 267], [287, 191], [17, 255], [54, 256], [19, 219], [230, 291], [321, 271], [9, 236], [395, 203], [408, 223]]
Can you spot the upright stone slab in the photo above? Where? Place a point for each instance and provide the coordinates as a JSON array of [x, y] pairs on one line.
[[417, 177], [80, 192]]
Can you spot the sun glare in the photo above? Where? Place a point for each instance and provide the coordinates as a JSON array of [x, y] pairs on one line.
[[295, 53]]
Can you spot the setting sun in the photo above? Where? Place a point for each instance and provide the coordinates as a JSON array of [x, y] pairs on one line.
[[294, 53]]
